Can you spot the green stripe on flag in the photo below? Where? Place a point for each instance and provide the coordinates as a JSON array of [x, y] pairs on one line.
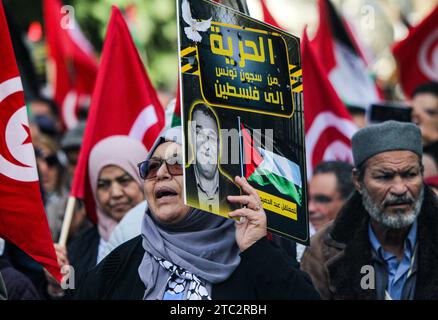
[[286, 187], [176, 121]]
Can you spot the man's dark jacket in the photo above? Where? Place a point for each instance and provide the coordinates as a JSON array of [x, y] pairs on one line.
[[338, 252]]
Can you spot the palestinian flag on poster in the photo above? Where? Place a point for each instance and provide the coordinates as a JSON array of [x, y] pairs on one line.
[[265, 167]]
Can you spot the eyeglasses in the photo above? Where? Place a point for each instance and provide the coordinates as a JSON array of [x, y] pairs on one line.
[[148, 169], [51, 160]]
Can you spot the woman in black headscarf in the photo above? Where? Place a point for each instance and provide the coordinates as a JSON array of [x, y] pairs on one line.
[[188, 254]]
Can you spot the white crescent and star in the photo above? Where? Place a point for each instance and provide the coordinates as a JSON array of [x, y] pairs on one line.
[[428, 56], [69, 109], [337, 149], [18, 160], [144, 121]]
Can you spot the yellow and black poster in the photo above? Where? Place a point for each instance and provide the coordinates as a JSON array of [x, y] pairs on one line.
[[242, 114]]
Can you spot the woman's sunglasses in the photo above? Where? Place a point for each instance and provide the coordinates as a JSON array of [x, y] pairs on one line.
[[51, 160], [148, 169]]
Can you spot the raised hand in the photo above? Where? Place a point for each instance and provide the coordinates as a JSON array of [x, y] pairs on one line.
[[252, 224]]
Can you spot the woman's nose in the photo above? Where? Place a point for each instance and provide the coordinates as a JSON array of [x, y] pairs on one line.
[[162, 172], [116, 190]]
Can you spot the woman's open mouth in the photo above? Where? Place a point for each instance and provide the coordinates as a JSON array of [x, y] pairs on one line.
[[164, 193]]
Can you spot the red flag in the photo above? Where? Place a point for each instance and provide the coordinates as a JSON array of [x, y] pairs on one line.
[[252, 156], [417, 55], [267, 16], [328, 124], [343, 61], [124, 102], [22, 217], [73, 60]]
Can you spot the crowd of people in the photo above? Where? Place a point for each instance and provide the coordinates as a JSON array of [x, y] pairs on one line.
[[380, 211], [373, 222]]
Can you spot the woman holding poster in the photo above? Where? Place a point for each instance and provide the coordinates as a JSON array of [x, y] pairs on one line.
[[189, 254]]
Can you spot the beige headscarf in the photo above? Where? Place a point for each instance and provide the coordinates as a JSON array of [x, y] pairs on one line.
[[120, 151]]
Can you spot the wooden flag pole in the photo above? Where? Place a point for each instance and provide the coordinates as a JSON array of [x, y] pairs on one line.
[[68, 217]]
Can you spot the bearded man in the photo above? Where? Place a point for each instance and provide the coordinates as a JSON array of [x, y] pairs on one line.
[[384, 242]]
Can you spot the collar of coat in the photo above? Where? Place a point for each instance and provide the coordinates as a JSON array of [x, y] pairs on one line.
[[349, 235]]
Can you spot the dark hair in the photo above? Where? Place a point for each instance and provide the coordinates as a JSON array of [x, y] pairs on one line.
[[205, 110], [355, 110], [360, 171], [342, 170], [50, 102], [427, 87]]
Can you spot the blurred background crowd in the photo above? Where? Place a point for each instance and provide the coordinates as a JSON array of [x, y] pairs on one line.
[[152, 24]]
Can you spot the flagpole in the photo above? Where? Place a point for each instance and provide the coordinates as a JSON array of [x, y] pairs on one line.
[[240, 145], [66, 223]]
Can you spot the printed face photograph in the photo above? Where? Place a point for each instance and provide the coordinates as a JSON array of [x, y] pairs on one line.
[[206, 138]]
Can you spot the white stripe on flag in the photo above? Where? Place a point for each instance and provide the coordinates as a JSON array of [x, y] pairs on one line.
[[69, 109], [9, 87], [322, 122], [351, 80], [78, 37], [146, 119], [280, 166]]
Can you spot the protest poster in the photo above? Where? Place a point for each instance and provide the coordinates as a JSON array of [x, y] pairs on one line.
[[242, 114]]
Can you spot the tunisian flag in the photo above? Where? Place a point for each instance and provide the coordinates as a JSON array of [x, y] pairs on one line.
[[124, 102], [328, 125], [417, 55], [22, 217], [73, 60], [344, 64]]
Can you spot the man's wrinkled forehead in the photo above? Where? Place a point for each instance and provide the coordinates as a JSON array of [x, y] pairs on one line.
[[394, 160]]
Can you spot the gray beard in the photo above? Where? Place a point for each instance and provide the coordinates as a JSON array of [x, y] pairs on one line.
[[394, 221]]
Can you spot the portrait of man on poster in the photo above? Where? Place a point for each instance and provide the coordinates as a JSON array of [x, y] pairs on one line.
[[212, 186]]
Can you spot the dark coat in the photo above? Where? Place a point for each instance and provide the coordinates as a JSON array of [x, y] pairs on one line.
[[339, 251], [27, 266], [263, 273], [82, 254], [18, 286], [3, 292]]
